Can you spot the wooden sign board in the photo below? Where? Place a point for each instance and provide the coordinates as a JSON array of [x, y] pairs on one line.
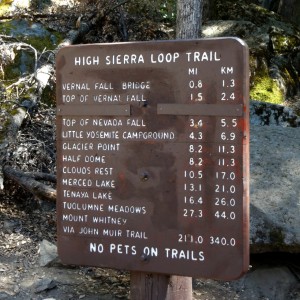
[[153, 156]]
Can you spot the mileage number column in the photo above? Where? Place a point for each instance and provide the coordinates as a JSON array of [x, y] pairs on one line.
[[212, 187], [192, 188], [227, 193], [193, 172], [227, 188]]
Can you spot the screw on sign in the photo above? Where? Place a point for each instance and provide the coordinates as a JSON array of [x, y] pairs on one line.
[[153, 157]]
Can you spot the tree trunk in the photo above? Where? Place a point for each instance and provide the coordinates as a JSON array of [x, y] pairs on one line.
[[189, 19], [160, 287], [286, 8]]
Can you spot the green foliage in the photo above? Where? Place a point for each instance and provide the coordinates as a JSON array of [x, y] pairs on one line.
[[4, 7], [48, 95], [160, 11], [263, 86], [266, 89], [23, 62], [283, 42], [168, 11], [239, 10], [141, 20], [24, 57], [277, 237], [37, 36]]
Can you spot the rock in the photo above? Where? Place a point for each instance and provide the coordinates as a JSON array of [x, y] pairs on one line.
[[8, 289], [272, 115], [20, 59], [266, 283], [44, 285], [10, 226], [291, 11], [48, 253], [15, 6], [274, 189], [274, 47]]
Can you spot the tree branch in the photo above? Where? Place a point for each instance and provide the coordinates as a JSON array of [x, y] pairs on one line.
[[42, 176], [29, 182], [117, 5]]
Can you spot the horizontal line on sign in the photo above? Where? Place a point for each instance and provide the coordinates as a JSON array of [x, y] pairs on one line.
[[227, 110], [93, 110]]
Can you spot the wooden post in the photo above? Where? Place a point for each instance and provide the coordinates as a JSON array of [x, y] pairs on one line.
[[159, 287], [169, 287]]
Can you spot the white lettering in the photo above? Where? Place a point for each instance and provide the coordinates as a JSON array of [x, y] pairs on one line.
[[68, 98], [76, 170], [96, 248], [135, 98], [112, 232], [136, 85], [107, 98], [107, 122], [164, 58], [108, 147], [109, 220], [150, 251], [127, 209], [75, 218], [89, 231], [72, 134], [69, 122], [226, 70], [109, 184], [135, 123], [71, 158], [122, 249], [136, 234], [203, 56], [75, 194], [103, 86], [82, 206], [68, 229], [77, 182], [94, 159], [77, 146], [102, 195], [86, 60], [103, 171], [102, 134], [75, 86], [184, 254], [124, 59], [141, 135]]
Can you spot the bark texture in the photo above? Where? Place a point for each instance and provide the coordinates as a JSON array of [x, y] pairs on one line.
[[160, 287], [286, 8], [30, 182], [189, 19]]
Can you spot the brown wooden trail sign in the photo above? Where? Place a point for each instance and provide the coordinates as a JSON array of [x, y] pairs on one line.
[[153, 156]]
